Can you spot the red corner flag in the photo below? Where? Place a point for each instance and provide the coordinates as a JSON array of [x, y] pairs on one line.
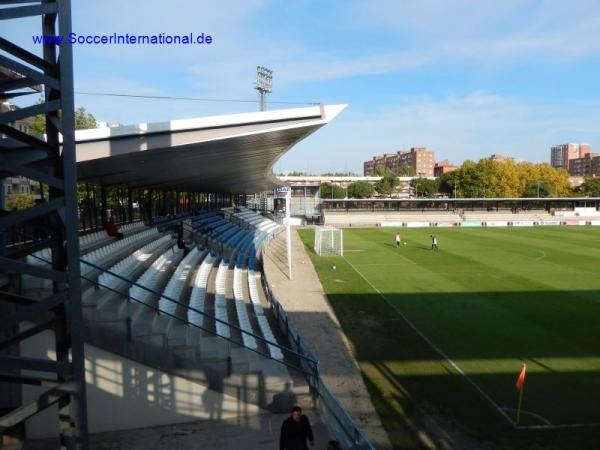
[[521, 379]]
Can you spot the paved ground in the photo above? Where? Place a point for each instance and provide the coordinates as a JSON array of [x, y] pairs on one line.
[[249, 433], [307, 305]]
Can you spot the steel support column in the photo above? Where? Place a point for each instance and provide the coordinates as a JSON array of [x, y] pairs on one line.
[[129, 206], [103, 207], [95, 209], [61, 308]]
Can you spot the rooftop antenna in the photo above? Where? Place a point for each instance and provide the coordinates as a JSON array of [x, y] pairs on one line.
[[263, 84]]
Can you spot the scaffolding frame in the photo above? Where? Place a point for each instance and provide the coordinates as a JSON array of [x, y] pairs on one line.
[[50, 161]]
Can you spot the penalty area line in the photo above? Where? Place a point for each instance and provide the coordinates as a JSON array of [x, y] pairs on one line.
[[437, 349], [558, 427]]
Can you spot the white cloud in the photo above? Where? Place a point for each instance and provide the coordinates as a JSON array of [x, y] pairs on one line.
[[399, 36], [456, 128], [488, 31]]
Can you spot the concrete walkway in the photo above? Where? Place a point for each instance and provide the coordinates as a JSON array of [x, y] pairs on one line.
[[259, 432], [307, 305]]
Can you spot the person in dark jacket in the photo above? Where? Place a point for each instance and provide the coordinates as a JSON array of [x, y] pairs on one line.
[[295, 430]]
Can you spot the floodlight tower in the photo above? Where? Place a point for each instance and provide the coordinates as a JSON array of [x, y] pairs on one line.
[[263, 84]]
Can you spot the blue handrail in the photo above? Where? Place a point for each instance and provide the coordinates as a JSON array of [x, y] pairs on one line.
[[313, 363], [190, 308], [351, 430]]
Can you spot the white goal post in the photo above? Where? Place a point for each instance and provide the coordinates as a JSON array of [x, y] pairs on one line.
[[329, 241]]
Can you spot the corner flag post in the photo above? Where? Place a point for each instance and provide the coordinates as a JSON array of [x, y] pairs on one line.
[[520, 385]]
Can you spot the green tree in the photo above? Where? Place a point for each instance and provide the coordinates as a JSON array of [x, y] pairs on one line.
[[332, 191], [405, 171], [340, 174], [590, 187], [387, 184], [449, 183], [83, 121], [505, 179], [539, 189], [19, 200], [360, 189], [424, 187], [380, 171], [470, 180]]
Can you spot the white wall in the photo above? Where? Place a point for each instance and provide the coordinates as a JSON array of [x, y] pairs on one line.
[[123, 394]]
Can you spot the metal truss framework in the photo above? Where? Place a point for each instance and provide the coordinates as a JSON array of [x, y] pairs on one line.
[[61, 381]]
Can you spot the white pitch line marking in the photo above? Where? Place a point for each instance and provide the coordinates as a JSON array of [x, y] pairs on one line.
[[437, 349], [546, 422], [557, 427]]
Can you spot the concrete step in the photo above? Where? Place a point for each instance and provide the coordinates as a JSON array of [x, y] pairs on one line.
[[142, 321], [209, 304], [177, 333], [213, 348], [103, 296], [231, 312], [185, 355], [158, 340], [242, 359], [109, 260], [160, 324], [155, 340], [109, 307]]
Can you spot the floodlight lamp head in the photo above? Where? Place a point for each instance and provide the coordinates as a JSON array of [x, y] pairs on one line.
[[264, 79]]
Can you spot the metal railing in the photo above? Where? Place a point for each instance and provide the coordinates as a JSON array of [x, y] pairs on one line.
[[308, 366], [343, 426], [352, 432]]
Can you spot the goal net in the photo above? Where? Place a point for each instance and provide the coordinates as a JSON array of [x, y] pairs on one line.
[[329, 241]]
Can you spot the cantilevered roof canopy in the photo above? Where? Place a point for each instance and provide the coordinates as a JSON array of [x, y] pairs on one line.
[[231, 153]]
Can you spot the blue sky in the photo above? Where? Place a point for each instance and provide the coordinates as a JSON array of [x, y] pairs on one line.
[[463, 78]]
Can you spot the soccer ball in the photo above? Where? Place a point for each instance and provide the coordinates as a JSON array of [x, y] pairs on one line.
[[405, 243], [333, 267]]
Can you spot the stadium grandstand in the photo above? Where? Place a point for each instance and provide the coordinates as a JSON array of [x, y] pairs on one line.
[[145, 300], [170, 320], [465, 212]]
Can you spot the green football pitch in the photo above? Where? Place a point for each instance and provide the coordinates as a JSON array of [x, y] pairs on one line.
[[442, 334]]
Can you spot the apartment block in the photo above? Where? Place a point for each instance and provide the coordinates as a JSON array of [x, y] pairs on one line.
[[443, 167], [419, 159], [596, 166], [560, 155], [584, 166], [501, 158]]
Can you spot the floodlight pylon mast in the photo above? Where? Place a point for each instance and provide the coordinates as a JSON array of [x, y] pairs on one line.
[[263, 84]]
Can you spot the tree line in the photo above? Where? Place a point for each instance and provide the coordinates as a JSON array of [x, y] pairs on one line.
[[483, 179], [37, 127]]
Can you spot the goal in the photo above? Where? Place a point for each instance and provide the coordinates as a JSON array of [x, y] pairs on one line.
[[329, 241]]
